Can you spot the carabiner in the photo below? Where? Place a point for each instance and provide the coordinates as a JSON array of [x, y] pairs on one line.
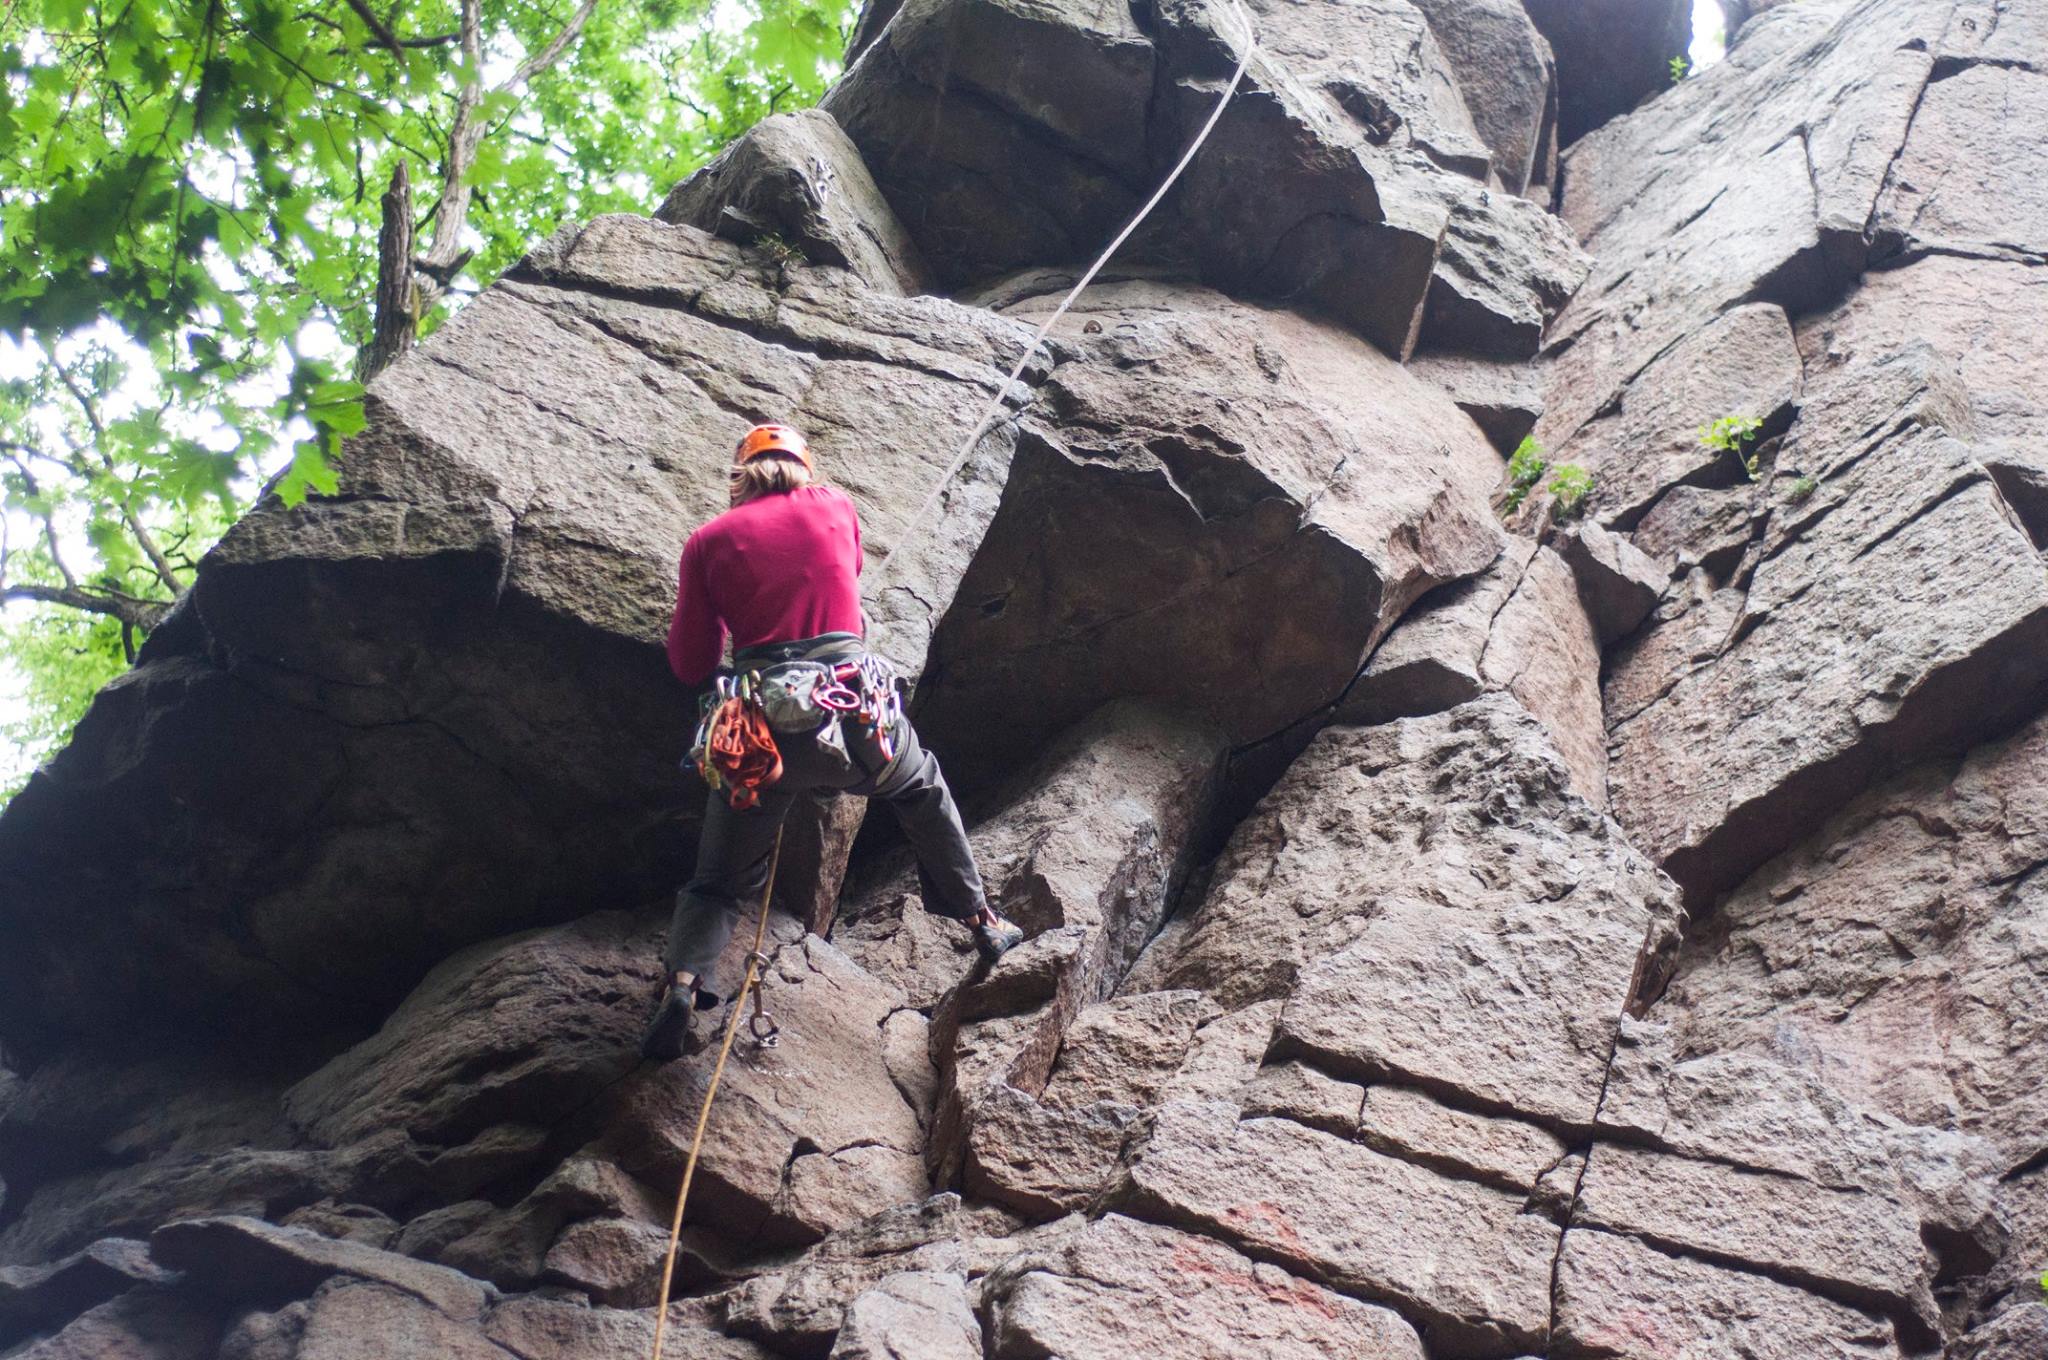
[[836, 697]]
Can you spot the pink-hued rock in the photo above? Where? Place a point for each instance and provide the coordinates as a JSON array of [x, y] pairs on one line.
[[1119, 1285], [1460, 1257], [817, 1133], [1611, 934], [1618, 1299]]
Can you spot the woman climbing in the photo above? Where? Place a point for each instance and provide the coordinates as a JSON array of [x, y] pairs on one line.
[[780, 572]]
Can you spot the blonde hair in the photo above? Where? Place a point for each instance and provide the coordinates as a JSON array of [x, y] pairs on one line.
[[769, 474]]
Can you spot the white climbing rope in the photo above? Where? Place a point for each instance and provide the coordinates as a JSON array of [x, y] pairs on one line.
[[1249, 44]]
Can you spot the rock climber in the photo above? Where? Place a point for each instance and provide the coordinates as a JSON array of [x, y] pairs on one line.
[[779, 572]]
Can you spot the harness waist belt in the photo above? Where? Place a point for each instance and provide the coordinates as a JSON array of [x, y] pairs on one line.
[[824, 647]]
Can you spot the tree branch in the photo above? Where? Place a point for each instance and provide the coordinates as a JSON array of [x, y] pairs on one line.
[[444, 257], [378, 28], [130, 610], [465, 134], [49, 525], [397, 316], [549, 55], [143, 538], [432, 40]]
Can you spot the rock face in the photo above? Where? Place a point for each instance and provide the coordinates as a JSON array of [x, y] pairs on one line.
[[1216, 458], [1611, 55], [504, 559], [1457, 930]]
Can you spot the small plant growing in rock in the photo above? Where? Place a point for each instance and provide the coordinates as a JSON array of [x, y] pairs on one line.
[[779, 250], [1679, 67], [1570, 484], [1802, 487], [1525, 469], [1732, 434]]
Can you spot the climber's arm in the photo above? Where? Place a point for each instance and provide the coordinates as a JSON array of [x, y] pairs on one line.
[[696, 635]]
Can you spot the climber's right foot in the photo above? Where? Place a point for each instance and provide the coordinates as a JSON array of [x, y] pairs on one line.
[[994, 934], [672, 1033]]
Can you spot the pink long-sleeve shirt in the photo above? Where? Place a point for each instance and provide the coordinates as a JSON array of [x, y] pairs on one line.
[[776, 569]]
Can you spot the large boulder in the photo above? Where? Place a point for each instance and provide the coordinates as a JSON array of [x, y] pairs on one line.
[[1212, 461], [292, 822], [31, 1297], [525, 1029], [1391, 857], [1890, 956], [1615, 1293], [1118, 1283], [1461, 1258], [143, 1324], [1752, 182], [1508, 78], [1096, 835], [1989, 318], [996, 163], [795, 181], [814, 1134], [1956, 187], [1649, 445], [1091, 860], [1522, 627], [1506, 268]]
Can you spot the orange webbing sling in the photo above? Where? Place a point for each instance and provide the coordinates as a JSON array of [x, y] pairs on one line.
[[740, 757]]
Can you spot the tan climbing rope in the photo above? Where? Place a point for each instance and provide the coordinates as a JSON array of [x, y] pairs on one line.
[[756, 961], [995, 401]]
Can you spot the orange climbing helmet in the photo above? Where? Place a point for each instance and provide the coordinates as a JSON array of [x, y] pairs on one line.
[[764, 439]]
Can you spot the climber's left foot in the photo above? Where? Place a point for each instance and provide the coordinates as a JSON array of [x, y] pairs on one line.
[[672, 1033]]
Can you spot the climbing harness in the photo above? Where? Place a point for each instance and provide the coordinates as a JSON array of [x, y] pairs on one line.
[[766, 1034], [735, 746], [995, 401]]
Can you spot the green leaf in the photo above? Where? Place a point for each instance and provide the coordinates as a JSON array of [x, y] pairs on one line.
[[309, 471]]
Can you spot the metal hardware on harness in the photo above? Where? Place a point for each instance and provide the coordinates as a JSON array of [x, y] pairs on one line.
[[866, 691]]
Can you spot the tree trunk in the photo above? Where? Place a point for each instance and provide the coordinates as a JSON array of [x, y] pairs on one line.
[[397, 315]]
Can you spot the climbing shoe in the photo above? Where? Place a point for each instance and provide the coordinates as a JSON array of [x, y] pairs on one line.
[[994, 934], [673, 1033]]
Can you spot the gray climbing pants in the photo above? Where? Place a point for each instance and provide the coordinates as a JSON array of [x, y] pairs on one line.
[[733, 848]]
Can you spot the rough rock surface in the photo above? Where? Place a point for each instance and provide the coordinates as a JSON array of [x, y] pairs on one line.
[[1118, 1284], [487, 737], [1233, 456], [796, 179], [1410, 829], [1509, 81], [1531, 626], [1611, 54], [1845, 655], [1612, 936], [1460, 1258]]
